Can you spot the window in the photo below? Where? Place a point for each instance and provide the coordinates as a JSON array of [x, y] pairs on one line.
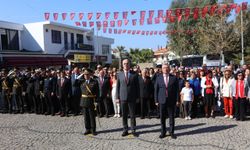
[[105, 49], [79, 38], [56, 36], [9, 39]]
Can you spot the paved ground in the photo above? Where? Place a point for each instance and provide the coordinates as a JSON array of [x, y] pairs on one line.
[[29, 131]]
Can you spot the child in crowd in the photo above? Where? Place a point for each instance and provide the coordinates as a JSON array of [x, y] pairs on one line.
[[187, 97]]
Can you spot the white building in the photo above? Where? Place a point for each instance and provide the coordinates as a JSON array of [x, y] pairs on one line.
[[163, 55], [51, 39]]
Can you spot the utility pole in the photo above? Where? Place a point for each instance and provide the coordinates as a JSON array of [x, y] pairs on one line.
[[242, 40]]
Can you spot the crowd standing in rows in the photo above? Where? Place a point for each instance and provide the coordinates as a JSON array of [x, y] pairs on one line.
[[148, 92]]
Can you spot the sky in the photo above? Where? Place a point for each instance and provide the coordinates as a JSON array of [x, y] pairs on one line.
[[28, 11]]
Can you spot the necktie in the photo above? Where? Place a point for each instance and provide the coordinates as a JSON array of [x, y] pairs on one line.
[[62, 82], [126, 77], [101, 81], [166, 85]]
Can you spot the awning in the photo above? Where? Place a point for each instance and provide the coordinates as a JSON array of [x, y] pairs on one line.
[[33, 61]]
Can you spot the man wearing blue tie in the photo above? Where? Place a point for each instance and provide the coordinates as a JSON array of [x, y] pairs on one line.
[[166, 94]]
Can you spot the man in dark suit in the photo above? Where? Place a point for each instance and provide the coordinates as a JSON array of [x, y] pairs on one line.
[[146, 90], [63, 93], [166, 94], [76, 92], [104, 92], [127, 93]]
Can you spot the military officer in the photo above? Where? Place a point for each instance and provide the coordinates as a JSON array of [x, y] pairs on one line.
[[89, 89]]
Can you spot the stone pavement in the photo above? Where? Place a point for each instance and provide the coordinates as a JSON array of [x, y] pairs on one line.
[[30, 131]]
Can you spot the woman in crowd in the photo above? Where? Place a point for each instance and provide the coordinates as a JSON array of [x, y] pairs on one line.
[[115, 103], [240, 94], [226, 93]]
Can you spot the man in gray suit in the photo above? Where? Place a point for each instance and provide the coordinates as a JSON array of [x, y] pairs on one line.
[[127, 93]]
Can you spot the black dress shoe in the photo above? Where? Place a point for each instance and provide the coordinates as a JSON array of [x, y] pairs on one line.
[[173, 136], [86, 132], [125, 133], [134, 134], [94, 133], [162, 136]]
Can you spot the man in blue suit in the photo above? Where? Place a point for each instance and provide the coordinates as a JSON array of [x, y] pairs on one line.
[[127, 92], [166, 94]]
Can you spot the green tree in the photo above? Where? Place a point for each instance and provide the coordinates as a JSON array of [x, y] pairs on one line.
[[141, 56]]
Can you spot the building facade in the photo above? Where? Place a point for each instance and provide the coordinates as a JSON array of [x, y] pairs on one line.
[[51, 39]]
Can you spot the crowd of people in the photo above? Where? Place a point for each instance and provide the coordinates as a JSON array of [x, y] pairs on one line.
[[200, 92]]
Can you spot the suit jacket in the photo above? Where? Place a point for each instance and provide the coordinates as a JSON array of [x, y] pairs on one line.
[[128, 91], [160, 90], [104, 88], [146, 87], [76, 90], [64, 89]]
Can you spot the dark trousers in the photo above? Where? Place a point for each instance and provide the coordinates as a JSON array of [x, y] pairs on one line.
[[76, 103], [40, 104], [145, 107], [128, 107], [32, 102], [240, 105], [64, 102], [194, 109], [18, 102], [49, 104], [187, 108], [7, 104], [164, 109], [103, 101], [89, 118]]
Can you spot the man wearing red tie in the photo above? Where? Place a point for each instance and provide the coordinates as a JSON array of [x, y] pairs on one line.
[[127, 92], [166, 94]]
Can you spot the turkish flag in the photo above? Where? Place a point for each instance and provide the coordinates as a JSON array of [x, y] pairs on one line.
[[133, 32], [84, 24], [238, 9], [105, 24], [64, 16], [244, 6], [110, 30], [233, 6], [228, 9], [157, 20], [196, 13], [143, 33], [107, 14], [142, 14], [134, 22], [151, 13], [77, 23], [98, 24], [155, 33], [55, 15], [112, 23], [204, 11], [149, 20], [126, 22], [116, 14], [212, 10], [119, 31], [119, 23], [124, 31], [160, 13], [115, 31], [160, 32], [172, 19], [133, 12], [169, 12], [138, 31], [98, 15], [187, 13], [141, 22], [178, 12], [104, 30], [46, 16], [80, 16], [151, 32], [72, 16], [124, 15], [164, 19], [91, 23], [90, 15], [147, 32], [129, 31]]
